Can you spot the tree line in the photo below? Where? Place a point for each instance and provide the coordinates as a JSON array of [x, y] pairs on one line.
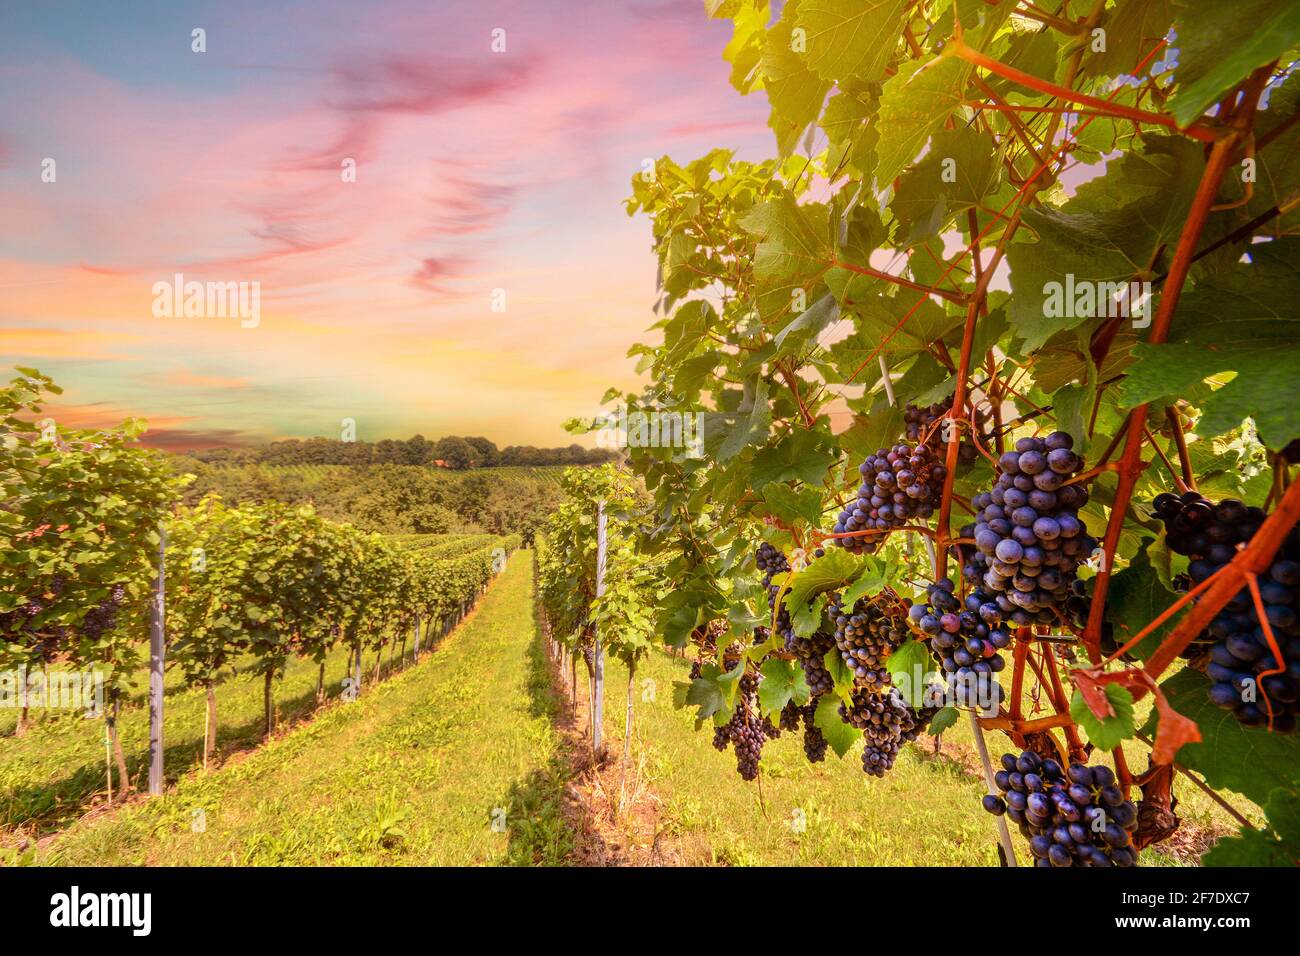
[[453, 451]]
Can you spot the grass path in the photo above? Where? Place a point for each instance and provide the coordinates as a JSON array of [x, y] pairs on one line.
[[413, 772]]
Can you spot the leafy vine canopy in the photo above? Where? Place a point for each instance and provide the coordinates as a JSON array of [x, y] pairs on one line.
[[808, 299]]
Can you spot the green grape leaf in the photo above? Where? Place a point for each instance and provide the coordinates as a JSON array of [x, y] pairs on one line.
[[875, 575], [790, 243], [728, 682], [1243, 321], [746, 47], [795, 91], [793, 506], [878, 427], [1108, 233], [806, 618], [1250, 760], [853, 137], [783, 681], [960, 169], [945, 718], [830, 572], [1105, 733], [841, 676], [911, 321], [800, 455], [839, 735], [1133, 28], [1072, 405], [688, 327], [1277, 173], [727, 434], [1278, 845], [807, 326], [914, 105], [1220, 44], [908, 665], [850, 38]]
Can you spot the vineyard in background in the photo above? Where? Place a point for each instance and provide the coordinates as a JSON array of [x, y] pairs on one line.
[[100, 551], [388, 498], [549, 474]]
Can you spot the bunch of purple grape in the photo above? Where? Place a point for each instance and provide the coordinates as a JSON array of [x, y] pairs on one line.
[[919, 423], [1242, 667], [809, 651], [746, 731], [1029, 540], [899, 485], [790, 715], [966, 639], [886, 723], [866, 634], [814, 741], [103, 616], [1072, 817]]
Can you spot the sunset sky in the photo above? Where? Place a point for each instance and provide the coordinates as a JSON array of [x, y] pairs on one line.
[[475, 171]]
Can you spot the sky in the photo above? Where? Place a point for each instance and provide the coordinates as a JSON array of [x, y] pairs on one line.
[[475, 171]]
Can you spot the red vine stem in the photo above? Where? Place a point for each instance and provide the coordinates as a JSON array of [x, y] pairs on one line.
[[951, 296], [1180, 442], [1254, 558], [1253, 582], [1130, 464], [959, 48], [1018, 658], [1062, 703], [1036, 725], [956, 411]]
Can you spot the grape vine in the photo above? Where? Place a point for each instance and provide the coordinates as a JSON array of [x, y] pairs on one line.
[[1022, 284]]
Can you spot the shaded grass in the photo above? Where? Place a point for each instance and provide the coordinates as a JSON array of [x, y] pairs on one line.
[[924, 812], [52, 773], [413, 772]]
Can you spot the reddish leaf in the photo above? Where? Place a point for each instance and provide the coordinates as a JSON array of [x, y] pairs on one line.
[[1175, 729], [1089, 684]]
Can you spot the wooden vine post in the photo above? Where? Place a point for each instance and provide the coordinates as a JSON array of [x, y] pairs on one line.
[[598, 652], [157, 658], [627, 720]]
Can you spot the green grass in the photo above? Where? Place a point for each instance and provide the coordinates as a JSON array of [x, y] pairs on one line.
[[410, 773], [52, 773], [924, 812], [55, 771]]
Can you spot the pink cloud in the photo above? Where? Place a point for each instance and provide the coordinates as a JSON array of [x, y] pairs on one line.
[[419, 83], [473, 171]]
